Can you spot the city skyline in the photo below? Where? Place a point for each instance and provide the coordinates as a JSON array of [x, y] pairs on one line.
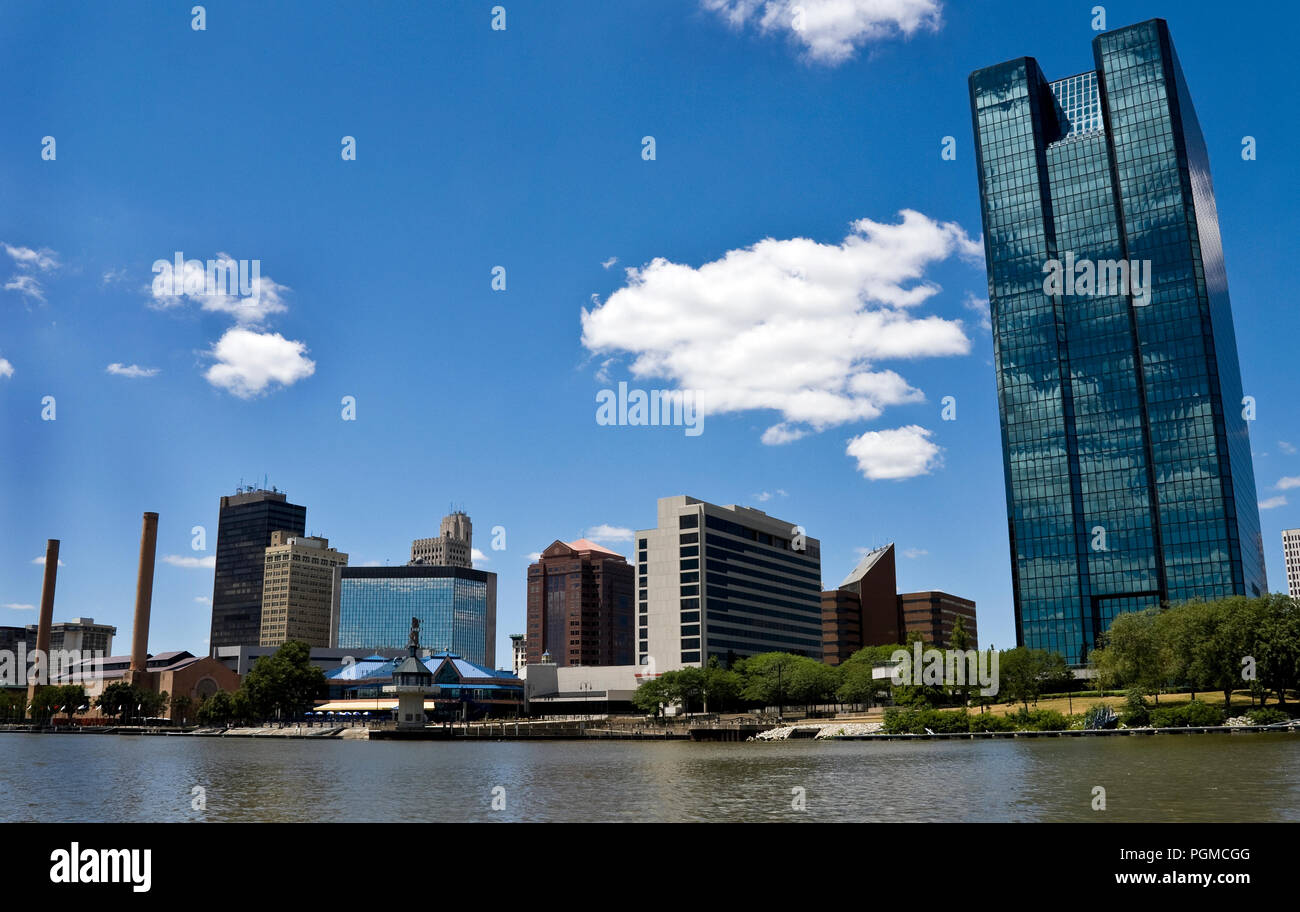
[[382, 269]]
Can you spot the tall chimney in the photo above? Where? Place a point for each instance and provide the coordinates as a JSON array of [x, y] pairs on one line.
[[144, 593], [47, 611]]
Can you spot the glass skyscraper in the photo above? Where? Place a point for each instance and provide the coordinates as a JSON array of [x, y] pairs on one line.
[[244, 529], [456, 607], [1126, 454]]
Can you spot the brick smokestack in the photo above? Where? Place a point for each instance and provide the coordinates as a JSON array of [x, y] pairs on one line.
[[144, 593], [47, 610]]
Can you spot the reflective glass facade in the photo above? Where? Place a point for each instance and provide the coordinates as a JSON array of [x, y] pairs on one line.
[[456, 607], [1126, 455], [244, 530]]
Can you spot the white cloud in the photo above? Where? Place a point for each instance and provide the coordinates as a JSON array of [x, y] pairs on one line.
[[40, 561], [44, 260], [1273, 502], [534, 556], [6, 369], [16, 606], [765, 496], [915, 553], [256, 296], [131, 370], [249, 362], [790, 325], [895, 454], [610, 262], [477, 557], [980, 307], [1289, 482], [371, 563], [112, 276], [830, 31], [26, 286], [190, 563], [1288, 448], [609, 533], [203, 600]]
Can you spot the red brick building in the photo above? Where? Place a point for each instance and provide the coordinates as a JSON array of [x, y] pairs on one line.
[[866, 610], [580, 606]]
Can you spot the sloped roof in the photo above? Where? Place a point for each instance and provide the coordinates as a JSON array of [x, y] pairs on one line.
[[584, 544], [869, 560]]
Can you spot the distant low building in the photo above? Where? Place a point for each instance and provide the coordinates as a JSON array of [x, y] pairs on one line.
[[81, 635], [178, 673], [463, 690], [934, 614], [554, 690]]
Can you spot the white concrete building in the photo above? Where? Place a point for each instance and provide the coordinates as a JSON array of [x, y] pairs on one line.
[[725, 581], [1291, 550]]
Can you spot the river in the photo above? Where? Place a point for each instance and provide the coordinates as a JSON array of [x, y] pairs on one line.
[[91, 778]]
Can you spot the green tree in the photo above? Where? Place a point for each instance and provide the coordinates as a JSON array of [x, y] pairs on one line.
[[812, 681], [767, 678], [1023, 673], [217, 709], [283, 684], [1135, 654]]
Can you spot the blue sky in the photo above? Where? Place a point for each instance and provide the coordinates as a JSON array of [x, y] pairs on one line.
[[522, 148]]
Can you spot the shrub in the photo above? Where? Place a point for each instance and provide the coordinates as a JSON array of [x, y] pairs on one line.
[[1267, 716], [1136, 711], [916, 721], [989, 722], [1198, 713], [1039, 720], [1194, 713]]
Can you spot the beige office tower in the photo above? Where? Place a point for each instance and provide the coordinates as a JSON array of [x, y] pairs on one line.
[[724, 581], [299, 598], [1291, 549], [452, 548]]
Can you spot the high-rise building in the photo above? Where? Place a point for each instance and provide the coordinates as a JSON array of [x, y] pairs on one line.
[[244, 529], [299, 599], [457, 608], [1127, 460], [1291, 551], [934, 615], [580, 605], [453, 547], [730, 582], [79, 634], [519, 652], [862, 610]]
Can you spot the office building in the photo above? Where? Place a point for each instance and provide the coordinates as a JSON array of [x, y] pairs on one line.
[[580, 605], [457, 608], [453, 547], [519, 652], [1291, 551], [724, 581], [299, 600], [1126, 455], [863, 609], [244, 529], [934, 614], [80, 635]]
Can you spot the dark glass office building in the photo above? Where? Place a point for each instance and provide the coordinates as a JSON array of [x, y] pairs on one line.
[[1127, 459], [457, 608], [244, 529]]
